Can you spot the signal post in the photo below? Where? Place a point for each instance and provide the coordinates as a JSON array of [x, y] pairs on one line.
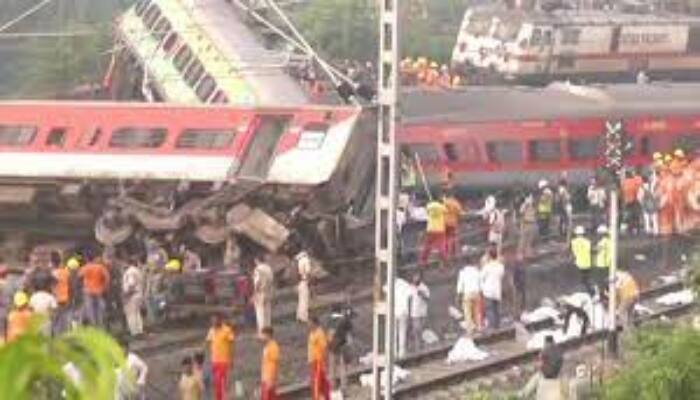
[[383, 343]]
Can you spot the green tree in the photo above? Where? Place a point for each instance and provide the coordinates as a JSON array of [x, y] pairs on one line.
[[31, 367], [343, 29], [663, 366]]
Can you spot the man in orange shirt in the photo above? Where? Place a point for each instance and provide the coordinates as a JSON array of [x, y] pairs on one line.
[[270, 365], [434, 232], [95, 283], [318, 350], [19, 319], [453, 211], [61, 292], [630, 191], [220, 338]]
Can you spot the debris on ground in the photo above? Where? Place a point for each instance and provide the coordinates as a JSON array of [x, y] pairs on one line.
[[465, 350], [676, 298]]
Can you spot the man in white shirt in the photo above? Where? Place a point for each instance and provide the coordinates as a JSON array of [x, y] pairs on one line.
[[418, 309], [132, 292], [402, 295], [44, 303], [303, 288], [491, 287], [131, 381], [597, 199], [263, 289], [469, 296]]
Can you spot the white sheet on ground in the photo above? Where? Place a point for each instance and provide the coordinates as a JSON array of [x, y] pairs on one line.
[[676, 298], [465, 350], [399, 375], [540, 314], [537, 340]]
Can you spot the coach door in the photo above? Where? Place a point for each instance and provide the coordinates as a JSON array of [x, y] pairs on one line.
[[262, 146]]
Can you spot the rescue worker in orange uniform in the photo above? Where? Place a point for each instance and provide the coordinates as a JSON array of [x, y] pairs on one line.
[[318, 353], [20, 318], [62, 293], [221, 339], [434, 238], [453, 211], [269, 365]]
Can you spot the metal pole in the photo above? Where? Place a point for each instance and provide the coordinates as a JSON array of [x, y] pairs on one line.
[[383, 343], [614, 238]]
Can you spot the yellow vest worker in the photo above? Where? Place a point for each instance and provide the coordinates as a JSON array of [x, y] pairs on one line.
[[436, 217], [581, 249], [603, 257]]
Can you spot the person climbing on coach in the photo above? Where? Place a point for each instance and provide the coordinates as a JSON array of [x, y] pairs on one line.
[[434, 238]]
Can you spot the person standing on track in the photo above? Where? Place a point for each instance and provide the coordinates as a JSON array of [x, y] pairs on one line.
[[20, 318], [603, 260], [528, 227], [453, 212], [269, 365], [492, 273], [628, 295], [581, 251], [469, 296], [43, 303], [631, 211], [434, 238], [419, 295], [95, 283], [263, 289], [221, 339], [132, 294], [563, 209], [597, 199], [317, 355], [190, 385], [62, 293], [545, 208], [304, 287]]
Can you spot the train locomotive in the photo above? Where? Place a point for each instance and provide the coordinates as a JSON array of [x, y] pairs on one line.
[[495, 44]]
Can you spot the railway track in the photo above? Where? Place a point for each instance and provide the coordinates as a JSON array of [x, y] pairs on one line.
[[430, 372]]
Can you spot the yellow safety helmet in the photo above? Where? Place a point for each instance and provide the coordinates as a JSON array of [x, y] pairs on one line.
[[679, 153], [21, 299], [668, 158], [173, 265], [658, 156], [72, 263], [434, 65]]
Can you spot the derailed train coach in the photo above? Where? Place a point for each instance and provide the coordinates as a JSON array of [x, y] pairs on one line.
[[228, 177]]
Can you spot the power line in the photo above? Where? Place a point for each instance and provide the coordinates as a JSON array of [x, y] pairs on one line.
[[24, 15]]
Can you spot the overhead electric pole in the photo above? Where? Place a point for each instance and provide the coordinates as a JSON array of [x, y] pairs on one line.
[[383, 343]]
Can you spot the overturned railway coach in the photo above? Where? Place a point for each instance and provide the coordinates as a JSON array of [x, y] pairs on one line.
[[220, 172], [227, 175]]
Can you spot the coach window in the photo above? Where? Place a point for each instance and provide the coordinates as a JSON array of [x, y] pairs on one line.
[[583, 149], [536, 37], [651, 144], [545, 150], [151, 16], [505, 152], [182, 58], [170, 42], [450, 152], [161, 30], [17, 135], [312, 136], [206, 87], [194, 73], [141, 6], [205, 139], [426, 152], [219, 98], [570, 36], [135, 138], [56, 137]]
